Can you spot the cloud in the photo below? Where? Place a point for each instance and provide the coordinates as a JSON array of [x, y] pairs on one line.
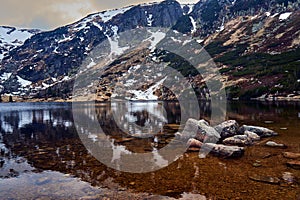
[[49, 14]]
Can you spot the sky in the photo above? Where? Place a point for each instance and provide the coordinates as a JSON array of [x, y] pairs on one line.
[[49, 14]]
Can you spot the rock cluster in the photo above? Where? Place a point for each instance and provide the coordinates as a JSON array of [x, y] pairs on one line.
[[226, 139]]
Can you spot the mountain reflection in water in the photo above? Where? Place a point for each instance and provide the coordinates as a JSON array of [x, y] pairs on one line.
[[42, 136]]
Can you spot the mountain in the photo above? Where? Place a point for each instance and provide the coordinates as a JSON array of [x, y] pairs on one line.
[[254, 43], [11, 37]]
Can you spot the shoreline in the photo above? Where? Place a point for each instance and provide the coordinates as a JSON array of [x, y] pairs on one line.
[[5, 99]]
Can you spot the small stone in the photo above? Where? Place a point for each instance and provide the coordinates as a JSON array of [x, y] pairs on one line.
[[269, 122], [132, 183], [268, 155], [256, 164], [274, 144]]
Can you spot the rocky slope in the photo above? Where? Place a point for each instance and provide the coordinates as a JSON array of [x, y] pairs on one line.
[[254, 43]]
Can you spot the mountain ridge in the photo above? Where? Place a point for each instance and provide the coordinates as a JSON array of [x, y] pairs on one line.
[[229, 31]]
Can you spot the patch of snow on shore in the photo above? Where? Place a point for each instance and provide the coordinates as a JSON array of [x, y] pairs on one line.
[[284, 16], [147, 94]]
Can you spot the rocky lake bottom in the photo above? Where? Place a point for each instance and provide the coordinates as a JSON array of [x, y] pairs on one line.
[[42, 157]]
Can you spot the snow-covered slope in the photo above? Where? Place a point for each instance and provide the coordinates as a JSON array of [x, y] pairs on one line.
[[11, 37]]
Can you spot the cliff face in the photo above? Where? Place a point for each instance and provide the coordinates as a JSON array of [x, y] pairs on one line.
[[254, 43]]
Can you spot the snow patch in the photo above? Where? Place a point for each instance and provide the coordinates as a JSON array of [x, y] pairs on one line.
[[23, 82], [194, 29], [190, 6], [11, 38], [92, 64], [274, 15], [98, 26], [108, 15], [268, 14], [114, 43], [284, 16], [149, 20], [155, 39], [147, 94], [5, 76], [254, 17], [14, 37], [66, 39], [200, 41]]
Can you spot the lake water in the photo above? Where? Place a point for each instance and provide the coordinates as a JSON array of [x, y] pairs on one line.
[[44, 156]]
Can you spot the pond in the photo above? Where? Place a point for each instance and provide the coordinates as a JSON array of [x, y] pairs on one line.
[[47, 152]]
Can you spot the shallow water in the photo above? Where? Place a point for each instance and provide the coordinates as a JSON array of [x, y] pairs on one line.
[[44, 153]]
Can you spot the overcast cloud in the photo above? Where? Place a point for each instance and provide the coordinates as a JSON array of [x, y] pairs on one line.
[[49, 14]]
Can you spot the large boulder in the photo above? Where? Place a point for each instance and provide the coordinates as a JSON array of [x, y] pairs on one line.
[[227, 129], [200, 130], [261, 131]]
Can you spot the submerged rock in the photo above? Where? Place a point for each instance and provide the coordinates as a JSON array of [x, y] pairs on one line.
[[227, 129], [291, 155], [238, 140], [261, 131], [274, 144], [264, 179], [201, 130], [295, 164], [288, 177]]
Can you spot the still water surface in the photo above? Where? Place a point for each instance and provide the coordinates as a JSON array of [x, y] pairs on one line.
[[42, 155]]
